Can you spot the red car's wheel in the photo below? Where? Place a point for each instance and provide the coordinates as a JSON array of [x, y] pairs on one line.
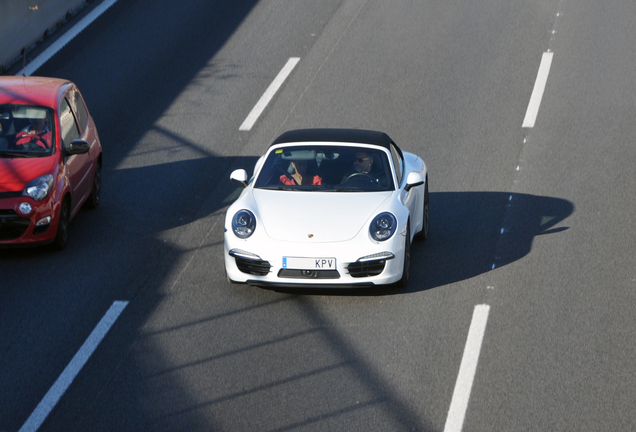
[[93, 199], [61, 238]]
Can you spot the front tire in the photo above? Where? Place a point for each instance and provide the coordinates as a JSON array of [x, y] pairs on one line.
[[61, 237], [93, 199], [423, 234], [406, 269]]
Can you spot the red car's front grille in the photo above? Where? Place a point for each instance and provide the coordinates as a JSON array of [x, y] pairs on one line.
[[11, 225]]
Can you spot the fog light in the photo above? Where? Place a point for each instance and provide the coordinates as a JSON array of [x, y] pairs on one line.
[[25, 208], [44, 221]]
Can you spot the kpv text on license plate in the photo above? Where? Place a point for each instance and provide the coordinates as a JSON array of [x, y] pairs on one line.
[[309, 263]]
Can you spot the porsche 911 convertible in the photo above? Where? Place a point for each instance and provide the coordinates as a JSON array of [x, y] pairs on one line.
[[327, 207]]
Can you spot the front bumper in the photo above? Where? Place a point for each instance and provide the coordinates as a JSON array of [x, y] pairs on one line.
[[358, 263], [18, 229]]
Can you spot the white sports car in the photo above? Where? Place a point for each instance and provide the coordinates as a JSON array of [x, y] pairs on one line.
[[327, 207]]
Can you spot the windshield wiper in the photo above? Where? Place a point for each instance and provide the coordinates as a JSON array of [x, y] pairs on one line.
[[11, 154], [345, 190], [273, 188]]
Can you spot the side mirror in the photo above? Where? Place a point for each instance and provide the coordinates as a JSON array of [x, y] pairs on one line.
[[239, 176], [414, 179], [77, 147]]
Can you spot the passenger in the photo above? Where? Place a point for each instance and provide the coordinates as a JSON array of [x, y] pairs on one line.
[[36, 133], [300, 176]]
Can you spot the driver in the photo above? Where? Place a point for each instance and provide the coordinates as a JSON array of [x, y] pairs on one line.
[[362, 163], [36, 133]]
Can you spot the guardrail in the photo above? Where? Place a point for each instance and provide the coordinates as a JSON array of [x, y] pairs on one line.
[[25, 24]]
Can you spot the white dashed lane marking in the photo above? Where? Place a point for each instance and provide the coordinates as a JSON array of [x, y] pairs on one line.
[[467, 369], [269, 94], [537, 92], [64, 381]]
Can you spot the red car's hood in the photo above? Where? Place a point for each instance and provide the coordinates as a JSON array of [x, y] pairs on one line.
[[15, 173]]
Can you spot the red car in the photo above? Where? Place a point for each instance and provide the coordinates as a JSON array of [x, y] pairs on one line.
[[50, 160]]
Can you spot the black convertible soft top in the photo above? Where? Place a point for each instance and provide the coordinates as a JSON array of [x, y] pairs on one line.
[[357, 136]]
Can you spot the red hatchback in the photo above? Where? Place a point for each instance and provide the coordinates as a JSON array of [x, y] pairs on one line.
[[50, 160]]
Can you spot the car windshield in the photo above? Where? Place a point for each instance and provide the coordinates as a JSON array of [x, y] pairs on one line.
[[25, 131], [333, 168]]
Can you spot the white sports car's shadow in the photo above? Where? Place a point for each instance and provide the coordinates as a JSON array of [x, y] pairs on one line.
[[473, 231], [470, 232]]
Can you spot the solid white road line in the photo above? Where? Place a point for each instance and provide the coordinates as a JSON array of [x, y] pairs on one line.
[[269, 94], [60, 386], [467, 369], [537, 92], [66, 37]]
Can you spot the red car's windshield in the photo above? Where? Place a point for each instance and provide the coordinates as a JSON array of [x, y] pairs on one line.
[[26, 131]]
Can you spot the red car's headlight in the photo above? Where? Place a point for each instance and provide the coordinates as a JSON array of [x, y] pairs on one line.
[[39, 188]]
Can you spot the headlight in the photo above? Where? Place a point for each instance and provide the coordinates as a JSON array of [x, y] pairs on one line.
[[243, 224], [39, 188], [383, 226]]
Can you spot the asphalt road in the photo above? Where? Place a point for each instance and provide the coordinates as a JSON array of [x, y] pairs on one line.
[[537, 223]]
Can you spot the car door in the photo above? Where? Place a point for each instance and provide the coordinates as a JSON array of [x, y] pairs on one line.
[[78, 166], [86, 127]]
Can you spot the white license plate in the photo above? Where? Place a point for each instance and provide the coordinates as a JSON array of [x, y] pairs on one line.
[[309, 263]]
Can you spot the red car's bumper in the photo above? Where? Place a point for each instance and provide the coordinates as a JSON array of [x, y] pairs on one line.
[[18, 229]]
